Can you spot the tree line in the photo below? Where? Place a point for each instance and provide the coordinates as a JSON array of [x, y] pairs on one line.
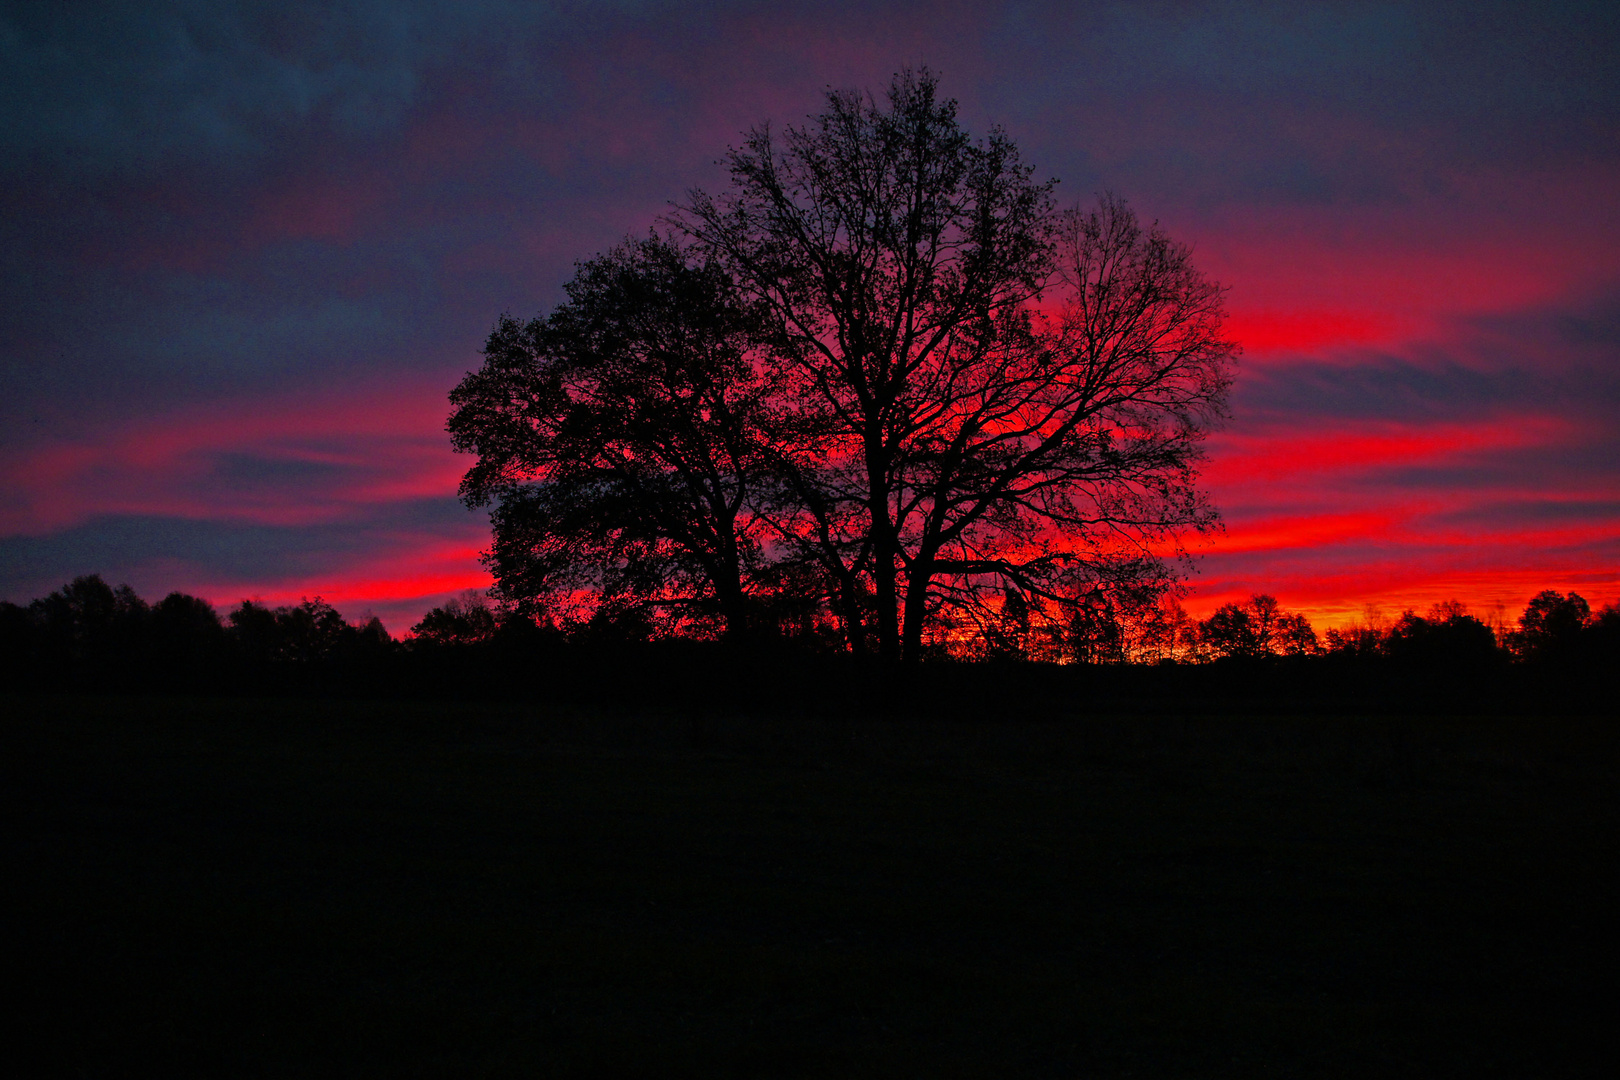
[[90, 634]]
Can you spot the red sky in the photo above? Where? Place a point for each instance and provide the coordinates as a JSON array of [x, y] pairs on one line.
[[246, 256]]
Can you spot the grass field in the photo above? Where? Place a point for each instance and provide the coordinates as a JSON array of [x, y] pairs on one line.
[[251, 888]]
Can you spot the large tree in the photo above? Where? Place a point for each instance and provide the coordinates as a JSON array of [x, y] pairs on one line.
[[621, 438], [959, 442], [886, 361]]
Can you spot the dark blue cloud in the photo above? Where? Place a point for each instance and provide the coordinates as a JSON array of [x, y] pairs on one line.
[[140, 138], [121, 86], [133, 86], [1495, 82], [1557, 471], [1383, 387], [1497, 513], [1558, 361]]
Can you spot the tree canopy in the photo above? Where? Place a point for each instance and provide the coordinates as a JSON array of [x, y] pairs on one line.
[[623, 439], [882, 370]]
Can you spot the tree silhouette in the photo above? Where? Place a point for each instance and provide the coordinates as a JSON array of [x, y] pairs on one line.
[[967, 446], [1231, 631], [1165, 632], [887, 362], [91, 623], [186, 633], [1259, 627], [1448, 637], [309, 633], [465, 620], [1293, 635], [623, 439], [1551, 626], [1095, 635]]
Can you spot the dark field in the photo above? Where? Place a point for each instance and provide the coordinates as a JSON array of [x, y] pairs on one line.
[[244, 888]]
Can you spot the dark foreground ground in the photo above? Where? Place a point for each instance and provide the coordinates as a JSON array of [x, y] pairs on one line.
[[246, 888]]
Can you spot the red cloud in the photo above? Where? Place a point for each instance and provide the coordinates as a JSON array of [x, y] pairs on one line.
[[1261, 331], [420, 576], [374, 445]]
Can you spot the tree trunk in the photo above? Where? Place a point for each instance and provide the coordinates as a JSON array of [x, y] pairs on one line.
[[734, 610], [885, 540], [916, 608], [849, 588], [883, 581], [885, 556], [728, 589]]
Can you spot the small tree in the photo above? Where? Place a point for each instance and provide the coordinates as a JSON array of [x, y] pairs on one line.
[[186, 630], [310, 632], [1363, 637], [1095, 635]]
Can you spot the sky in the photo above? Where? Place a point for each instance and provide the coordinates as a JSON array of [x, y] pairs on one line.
[[247, 249]]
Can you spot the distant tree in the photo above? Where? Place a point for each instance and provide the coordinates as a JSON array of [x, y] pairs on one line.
[[371, 640], [1446, 610], [304, 633], [793, 605], [1294, 636], [1231, 631], [187, 632], [1551, 626], [311, 630], [958, 445], [1363, 637], [623, 440], [1258, 627], [89, 622], [1096, 634], [1448, 637], [19, 645], [1005, 633], [1240, 629], [1609, 617], [464, 620], [1604, 634], [185, 616], [1166, 632], [1264, 614], [254, 632]]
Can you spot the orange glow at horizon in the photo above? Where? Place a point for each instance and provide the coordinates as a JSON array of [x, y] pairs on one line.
[[1331, 602]]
